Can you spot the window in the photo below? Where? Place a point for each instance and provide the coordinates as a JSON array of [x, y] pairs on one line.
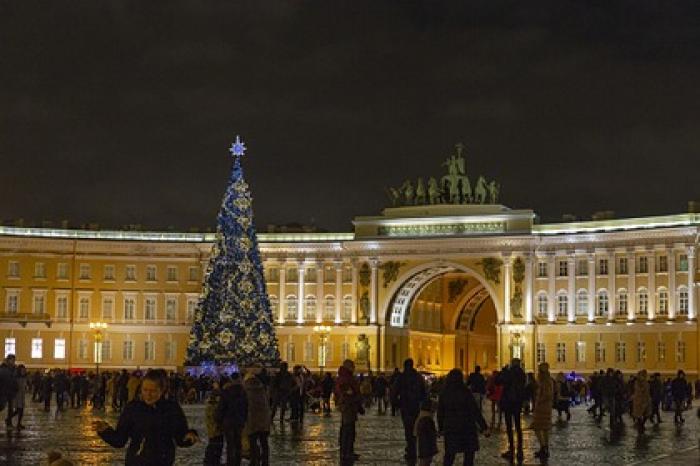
[[172, 273], [622, 266], [663, 264], [291, 307], [292, 275], [310, 275], [329, 308], [562, 305], [62, 271], [347, 309], [272, 275], [37, 346], [39, 270], [12, 302], [581, 267], [683, 263], [13, 269], [150, 309], [582, 303], [641, 351], [620, 352], [663, 302], [661, 351], [680, 351], [10, 346], [130, 274], [109, 272], [541, 353], [542, 305], [39, 303], [563, 269], [149, 350], [107, 307], [106, 350], [308, 351], [561, 352], [541, 269], [580, 351], [603, 304], [622, 303], [150, 273], [683, 302], [82, 349], [59, 348], [191, 307], [128, 350], [170, 350], [347, 275], [62, 307], [643, 265], [84, 272], [310, 308], [643, 304], [603, 267], [129, 308], [170, 309], [193, 274], [599, 351], [84, 308], [274, 306], [291, 352], [344, 350], [328, 275]]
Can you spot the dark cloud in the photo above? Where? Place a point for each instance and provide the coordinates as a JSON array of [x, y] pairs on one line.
[[121, 112]]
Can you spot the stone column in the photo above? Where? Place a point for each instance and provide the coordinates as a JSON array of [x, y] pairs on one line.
[[507, 266], [338, 290], [571, 280], [612, 292], [374, 265], [691, 282], [551, 287], [591, 288], [631, 285], [320, 295], [301, 271], [282, 293], [672, 292], [651, 263], [528, 288], [353, 314]]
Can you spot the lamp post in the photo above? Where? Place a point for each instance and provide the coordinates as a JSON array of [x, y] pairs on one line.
[[98, 327], [322, 331]]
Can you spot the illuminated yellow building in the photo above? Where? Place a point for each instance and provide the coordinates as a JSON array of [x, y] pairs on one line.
[[449, 285]]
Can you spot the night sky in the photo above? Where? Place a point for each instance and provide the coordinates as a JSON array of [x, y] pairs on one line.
[[122, 112]]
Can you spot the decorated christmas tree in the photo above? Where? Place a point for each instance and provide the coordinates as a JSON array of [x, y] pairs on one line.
[[233, 321]]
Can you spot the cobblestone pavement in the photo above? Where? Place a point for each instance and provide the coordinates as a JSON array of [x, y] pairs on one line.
[[380, 441]]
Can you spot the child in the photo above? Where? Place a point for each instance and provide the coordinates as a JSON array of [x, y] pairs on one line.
[[426, 434]]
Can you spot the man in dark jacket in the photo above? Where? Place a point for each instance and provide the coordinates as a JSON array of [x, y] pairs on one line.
[[8, 387], [60, 386], [349, 401], [477, 384], [47, 390], [408, 392], [282, 386], [656, 390], [231, 414], [679, 394], [513, 380]]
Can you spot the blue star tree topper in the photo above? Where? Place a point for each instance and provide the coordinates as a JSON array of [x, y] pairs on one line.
[[233, 321]]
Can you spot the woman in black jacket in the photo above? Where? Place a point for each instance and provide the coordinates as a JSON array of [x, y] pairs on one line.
[[152, 426], [458, 418]]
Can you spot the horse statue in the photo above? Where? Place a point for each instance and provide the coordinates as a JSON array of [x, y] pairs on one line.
[[480, 190], [434, 192], [466, 190], [393, 195], [420, 192], [408, 192], [494, 188]]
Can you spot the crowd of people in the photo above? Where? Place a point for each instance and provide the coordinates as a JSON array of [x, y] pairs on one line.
[[241, 407]]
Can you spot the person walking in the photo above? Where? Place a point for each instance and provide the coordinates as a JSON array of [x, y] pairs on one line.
[[380, 387], [542, 410], [678, 393], [641, 400], [9, 388], [20, 395], [47, 389], [477, 384], [409, 392], [215, 433], [513, 380], [349, 401], [494, 392], [259, 418], [426, 434], [563, 396], [282, 386], [327, 385], [232, 413], [392, 380], [458, 418], [153, 426]]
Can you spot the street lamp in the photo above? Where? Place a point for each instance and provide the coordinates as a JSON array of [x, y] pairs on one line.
[[322, 331], [98, 327]]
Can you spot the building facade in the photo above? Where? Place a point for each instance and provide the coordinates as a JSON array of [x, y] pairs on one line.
[[449, 285]]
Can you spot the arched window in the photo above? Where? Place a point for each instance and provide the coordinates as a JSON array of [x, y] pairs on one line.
[[346, 315], [582, 303], [562, 305], [291, 307], [643, 302], [682, 301], [663, 302], [603, 304], [622, 302], [329, 308], [542, 305], [310, 308], [274, 305]]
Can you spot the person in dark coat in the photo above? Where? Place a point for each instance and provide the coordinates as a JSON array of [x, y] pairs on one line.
[[678, 392], [477, 384], [408, 393], [282, 386], [152, 425], [8, 387], [458, 418], [46, 390], [426, 434], [349, 401], [656, 388], [231, 414], [513, 380], [326, 391], [259, 419]]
